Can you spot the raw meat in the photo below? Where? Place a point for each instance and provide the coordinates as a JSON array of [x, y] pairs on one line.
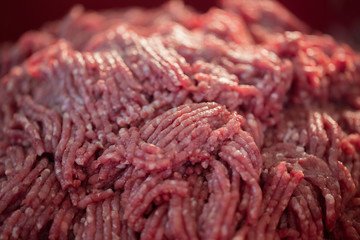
[[237, 123]]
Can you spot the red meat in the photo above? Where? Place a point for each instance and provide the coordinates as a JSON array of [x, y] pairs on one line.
[[236, 123]]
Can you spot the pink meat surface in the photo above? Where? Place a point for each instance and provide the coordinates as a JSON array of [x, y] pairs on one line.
[[237, 123]]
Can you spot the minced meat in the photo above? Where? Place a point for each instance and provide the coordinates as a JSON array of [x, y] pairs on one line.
[[237, 123]]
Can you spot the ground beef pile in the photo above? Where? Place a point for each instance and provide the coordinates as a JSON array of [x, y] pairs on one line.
[[237, 123]]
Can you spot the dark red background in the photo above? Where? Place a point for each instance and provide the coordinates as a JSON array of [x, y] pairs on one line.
[[18, 16]]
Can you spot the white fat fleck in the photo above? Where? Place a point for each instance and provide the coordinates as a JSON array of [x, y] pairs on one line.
[[172, 74], [89, 219], [131, 109], [204, 165], [15, 232], [309, 69], [147, 108], [274, 96], [251, 122], [151, 166], [292, 35], [121, 166], [260, 84], [309, 197], [299, 149], [224, 230], [29, 211], [156, 103], [15, 189], [226, 81], [193, 202], [329, 199], [310, 52], [237, 153], [331, 67], [38, 226], [287, 136], [238, 238], [69, 61], [244, 152]]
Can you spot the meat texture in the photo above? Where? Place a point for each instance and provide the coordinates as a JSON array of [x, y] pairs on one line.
[[236, 123]]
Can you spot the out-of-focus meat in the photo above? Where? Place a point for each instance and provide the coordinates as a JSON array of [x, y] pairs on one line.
[[265, 17]]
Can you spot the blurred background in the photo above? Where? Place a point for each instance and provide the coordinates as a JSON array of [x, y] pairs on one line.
[[340, 18]]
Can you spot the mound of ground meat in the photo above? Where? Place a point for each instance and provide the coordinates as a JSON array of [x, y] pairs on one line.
[[237, 123]]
